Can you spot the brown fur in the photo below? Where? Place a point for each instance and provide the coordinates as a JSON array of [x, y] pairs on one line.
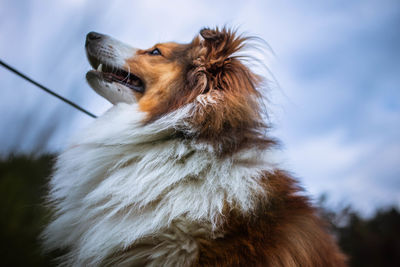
[[283, 230], [232, 119]]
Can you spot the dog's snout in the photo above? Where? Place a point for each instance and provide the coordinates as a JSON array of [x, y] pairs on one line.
[[91, 36]]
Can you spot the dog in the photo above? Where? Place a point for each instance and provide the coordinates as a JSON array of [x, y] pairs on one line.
[[180, 171]]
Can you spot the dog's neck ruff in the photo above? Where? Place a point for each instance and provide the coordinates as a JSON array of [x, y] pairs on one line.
[[122, 181]]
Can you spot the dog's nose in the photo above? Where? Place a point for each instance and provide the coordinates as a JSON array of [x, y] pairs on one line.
[[91, 36]]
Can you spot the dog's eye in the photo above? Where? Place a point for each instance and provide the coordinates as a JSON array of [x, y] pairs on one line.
[[155, 52]]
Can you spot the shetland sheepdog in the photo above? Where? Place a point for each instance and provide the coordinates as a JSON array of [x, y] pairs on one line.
[[179, 172]]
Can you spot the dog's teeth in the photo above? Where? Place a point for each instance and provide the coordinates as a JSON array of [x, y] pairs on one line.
[[100, 67]]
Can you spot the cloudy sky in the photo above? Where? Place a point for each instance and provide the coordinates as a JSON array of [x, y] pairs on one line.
[[336, 109]]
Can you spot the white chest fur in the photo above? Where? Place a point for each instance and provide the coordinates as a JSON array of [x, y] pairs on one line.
[[124, 185]]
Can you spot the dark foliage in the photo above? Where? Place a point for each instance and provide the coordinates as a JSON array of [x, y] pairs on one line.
[[22, 213], [368, 242], [372, 242]]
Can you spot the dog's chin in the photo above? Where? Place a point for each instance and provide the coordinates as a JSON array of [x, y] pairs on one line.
[[112, 91]]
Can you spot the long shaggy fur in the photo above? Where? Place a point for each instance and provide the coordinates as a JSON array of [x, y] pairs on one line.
[[185, 176], [123, 181]]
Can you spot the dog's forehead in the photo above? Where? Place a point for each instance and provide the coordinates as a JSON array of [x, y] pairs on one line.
[[168, 45], [169, 48]]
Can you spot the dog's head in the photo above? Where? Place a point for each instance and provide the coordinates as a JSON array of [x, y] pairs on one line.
[[207, 72]]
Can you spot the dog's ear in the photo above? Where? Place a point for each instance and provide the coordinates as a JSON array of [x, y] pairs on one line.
[[217, 67], [224, 89], [210, 35], [220, 45]]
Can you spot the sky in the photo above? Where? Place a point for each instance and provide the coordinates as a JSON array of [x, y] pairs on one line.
[[335, 105]]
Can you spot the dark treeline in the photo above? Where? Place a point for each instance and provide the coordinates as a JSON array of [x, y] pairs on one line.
[[368, 242], [371, 241]]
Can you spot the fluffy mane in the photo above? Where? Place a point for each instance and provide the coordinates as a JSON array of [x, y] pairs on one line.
[[184, 176], [123, 180], [224, 92]]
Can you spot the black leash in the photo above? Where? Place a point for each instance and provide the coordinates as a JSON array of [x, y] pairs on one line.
[[47, 90]]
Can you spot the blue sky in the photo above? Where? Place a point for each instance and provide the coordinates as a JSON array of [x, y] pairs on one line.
[[337, 111]]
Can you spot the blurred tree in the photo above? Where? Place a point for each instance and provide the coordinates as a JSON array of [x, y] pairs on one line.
[[368, 242], [22, 213], [374, 241]]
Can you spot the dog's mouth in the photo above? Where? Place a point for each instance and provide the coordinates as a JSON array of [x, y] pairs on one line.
[[112, 74]]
